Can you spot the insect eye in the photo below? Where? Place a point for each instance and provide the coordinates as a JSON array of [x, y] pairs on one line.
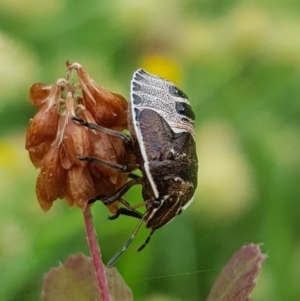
[[177, 93], [185, 110]]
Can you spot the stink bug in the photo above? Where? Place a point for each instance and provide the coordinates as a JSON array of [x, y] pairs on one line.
[[161, 124]]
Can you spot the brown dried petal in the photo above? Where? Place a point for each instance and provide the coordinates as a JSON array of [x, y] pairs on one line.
[[37, 153], [124, 156], [101, 181], [86, 115], [51, 183], [112, 113], [76, 142], [65, 161], [104, 150], [42, 93], [44, 199], [38, 93], [42, 127], [62, 122], [80, 186], [109, 109]]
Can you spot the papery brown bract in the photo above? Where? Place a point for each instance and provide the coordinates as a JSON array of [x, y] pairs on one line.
[[103, 187], [65, 161], [76, 142], [80, 188], [109, 109], [51, 183], [38, 93], [104, 149], [37, 153], [42, 127], [41, 93]]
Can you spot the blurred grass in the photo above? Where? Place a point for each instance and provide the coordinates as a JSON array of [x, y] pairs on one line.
[[239, 63]]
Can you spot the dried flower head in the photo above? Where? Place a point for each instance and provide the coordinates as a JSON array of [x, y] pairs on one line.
[[55, 142]]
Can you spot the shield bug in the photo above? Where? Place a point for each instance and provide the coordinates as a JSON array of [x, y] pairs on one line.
[[161, 124]]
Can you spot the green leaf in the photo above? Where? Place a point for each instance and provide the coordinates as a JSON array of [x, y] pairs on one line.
[[75, 280], [237, 278]]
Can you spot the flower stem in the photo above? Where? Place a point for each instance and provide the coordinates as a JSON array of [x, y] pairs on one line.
[[96, 254]]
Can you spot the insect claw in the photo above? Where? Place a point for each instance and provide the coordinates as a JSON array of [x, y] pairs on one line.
[[92, 201], [112, 217]]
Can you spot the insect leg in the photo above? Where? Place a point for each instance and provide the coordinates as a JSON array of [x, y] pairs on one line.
[[93, 126], [126, 245], [127, 212], [123, 168], [121, 192]]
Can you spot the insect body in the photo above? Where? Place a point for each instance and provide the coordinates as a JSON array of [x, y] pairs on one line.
[[162, 131], [161, 123]]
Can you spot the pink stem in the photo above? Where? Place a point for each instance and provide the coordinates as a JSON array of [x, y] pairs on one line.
[[96, 254]]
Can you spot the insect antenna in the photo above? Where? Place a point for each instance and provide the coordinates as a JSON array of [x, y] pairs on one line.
[[146, 241], [113, 260]]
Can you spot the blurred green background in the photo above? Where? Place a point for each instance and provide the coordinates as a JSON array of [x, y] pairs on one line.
[[239, 62]]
